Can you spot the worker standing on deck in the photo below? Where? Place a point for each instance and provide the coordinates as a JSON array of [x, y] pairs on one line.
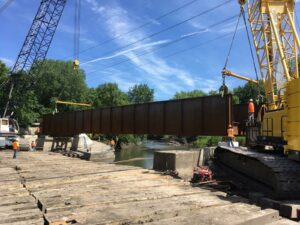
[[112, 143], [251, 110], [16, 147], [33, 145], [230, 136]]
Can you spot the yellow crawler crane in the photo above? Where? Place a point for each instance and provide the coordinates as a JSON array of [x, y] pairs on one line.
[[278, 123], [277, 46]]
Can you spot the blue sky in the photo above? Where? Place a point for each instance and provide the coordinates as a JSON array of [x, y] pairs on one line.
[[101, 20]]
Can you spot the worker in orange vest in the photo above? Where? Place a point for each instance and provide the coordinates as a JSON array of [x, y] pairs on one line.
[[251, 110], [33, 145], [230, 135], [112, 143], [16, 147]]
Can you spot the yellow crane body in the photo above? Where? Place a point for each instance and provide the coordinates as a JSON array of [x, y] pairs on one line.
[[277, 47], [276, 44], [293, 117]]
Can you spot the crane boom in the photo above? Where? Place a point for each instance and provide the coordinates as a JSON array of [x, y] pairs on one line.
[[229, 73], [277, 44], [38, 39]]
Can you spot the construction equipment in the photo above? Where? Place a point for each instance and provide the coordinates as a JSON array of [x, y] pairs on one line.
[[76, 35], [32, 53], [278, 122], [35, 48], [202, 174], [70, 103], [9, 129]]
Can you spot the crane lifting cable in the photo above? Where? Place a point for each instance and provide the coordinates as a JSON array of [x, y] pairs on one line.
[[225, 72], [76, 34], [248, 37], [224, 88]]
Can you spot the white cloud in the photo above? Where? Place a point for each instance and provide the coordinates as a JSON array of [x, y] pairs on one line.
[[7, 61], [87, 41], [168, 79], [142, 46], [194, 33], [230, 27]]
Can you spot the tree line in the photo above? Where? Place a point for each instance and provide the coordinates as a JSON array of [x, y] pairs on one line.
[[35, 92]]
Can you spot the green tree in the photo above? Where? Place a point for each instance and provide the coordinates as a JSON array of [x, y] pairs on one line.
[[140, 93], [57, 80], [3, 72], [36, 91], [3, 88], [24, 102], [248, 91], [213, 92], [189, 94], [109, 94]]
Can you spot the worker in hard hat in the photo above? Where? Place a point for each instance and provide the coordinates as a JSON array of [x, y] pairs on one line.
[[16, 147], [230, 135], [251, 110]]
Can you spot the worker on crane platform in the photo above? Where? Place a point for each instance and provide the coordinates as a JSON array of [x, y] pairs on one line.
[[251, 110], [230, 135]]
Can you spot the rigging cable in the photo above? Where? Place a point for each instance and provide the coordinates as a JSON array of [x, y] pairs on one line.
[[232, 41], [224, 88], [249, 41], [252, 55], [76, 34]]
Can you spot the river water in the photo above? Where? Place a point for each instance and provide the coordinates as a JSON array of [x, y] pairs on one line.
[[142, 156]]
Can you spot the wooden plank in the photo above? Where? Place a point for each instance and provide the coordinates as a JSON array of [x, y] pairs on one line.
[[77, 191]]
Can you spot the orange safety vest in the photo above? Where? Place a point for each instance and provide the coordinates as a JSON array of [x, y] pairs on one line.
[[15, 145], [230, 132], [112, 142], [251, 107], [33, 144]]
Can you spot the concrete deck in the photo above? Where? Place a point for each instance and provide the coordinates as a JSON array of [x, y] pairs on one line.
[[41, 187]]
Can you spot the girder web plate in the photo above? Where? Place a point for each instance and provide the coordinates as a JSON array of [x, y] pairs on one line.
[[208, 115]]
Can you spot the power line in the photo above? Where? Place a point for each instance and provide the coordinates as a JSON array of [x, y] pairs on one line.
[[141, 26], [169, 28], [165, 45], [5, 5], [186, 49]]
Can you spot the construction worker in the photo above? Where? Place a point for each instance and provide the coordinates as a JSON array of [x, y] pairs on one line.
[[33, 145], [251, 110], [16, 147], [230, 135], [112, 143]]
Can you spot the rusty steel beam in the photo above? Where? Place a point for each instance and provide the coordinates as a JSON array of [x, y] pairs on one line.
[[208, 115]]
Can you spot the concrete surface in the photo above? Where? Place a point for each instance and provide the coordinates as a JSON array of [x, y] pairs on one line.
[[80, 148], [40, 187], [180, 161]]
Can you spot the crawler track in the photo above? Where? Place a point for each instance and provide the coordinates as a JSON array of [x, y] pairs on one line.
[[276, 176]]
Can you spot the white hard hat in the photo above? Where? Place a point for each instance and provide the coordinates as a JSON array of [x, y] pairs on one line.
[[251, 100]]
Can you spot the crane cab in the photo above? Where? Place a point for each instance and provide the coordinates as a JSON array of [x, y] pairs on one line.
[[9, 129], [4, 125]]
